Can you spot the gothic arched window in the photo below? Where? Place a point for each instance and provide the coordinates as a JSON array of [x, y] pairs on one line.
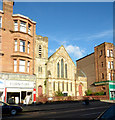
[[65, 70], [58, 71], [62, 68]]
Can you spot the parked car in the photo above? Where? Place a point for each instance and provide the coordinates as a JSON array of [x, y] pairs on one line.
[[109, 114], [10, 109]]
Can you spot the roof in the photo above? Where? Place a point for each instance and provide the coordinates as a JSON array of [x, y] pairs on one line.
[[84, 56], [19, 15]]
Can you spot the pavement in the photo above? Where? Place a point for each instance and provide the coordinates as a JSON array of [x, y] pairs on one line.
[[57, 106]]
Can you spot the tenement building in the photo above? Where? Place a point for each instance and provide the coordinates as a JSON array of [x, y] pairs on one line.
[[99, 69], [17, 39], [25, 65], [56, 73]]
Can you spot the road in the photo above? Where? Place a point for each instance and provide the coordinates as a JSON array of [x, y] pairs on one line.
[[75, 111]]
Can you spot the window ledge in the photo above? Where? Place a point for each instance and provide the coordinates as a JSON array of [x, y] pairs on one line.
[[20, 32], [21, 55]]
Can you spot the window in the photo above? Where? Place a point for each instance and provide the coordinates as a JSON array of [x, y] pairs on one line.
[[15, 65], [15, 45], [58, 86], [62, 86], [102, 75], [111, 53], [28, 47], [0, 21], [40, 69], [23, 26], [109, 64], [108, 53], [62, 70], [28, 66], [22, 66], [109, 76], [29, 29], [71, 86], [22, 46], [40, 51], [102, 64], [15, 25], [67, 86], [58, 71], [65, 70], [101, 52], [54, 86]]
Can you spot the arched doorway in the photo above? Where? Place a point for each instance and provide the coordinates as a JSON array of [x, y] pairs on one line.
[[80, 90], [39, 90]]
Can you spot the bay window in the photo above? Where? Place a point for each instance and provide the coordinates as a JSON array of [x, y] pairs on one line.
[[21, 65], [22, 46], [15, 65], [23, 26], [29, 29], [15, 45], [28, 47], [28, 66], [15, 25]]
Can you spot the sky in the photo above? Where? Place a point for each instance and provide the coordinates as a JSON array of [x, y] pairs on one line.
[[78, 26]]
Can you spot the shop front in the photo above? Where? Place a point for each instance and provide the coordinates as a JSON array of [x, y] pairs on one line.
[[1, 90], [19, 91], [112, 90]]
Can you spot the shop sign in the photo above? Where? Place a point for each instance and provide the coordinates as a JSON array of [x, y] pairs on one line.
[[1, 84], [19, 84]]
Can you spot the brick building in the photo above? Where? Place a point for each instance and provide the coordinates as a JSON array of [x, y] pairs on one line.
[[99, 69], [17, 39]]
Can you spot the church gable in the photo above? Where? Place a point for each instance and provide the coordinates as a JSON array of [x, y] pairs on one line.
[[59, 54]]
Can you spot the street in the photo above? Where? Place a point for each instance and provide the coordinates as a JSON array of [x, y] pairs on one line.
[[66, 111]]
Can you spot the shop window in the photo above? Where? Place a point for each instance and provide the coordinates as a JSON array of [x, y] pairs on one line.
[[58, 70], [16, 46], [22, 66], [23, 26], [0, 21], [15, 65], [15, 25], [62, 68], [29, 29], [22, 46]]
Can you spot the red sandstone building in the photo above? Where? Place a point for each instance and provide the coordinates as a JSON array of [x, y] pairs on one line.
[[17, 39], [99, 69]]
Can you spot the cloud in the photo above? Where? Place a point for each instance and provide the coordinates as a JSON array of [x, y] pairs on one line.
[[106, 33], [75, 51], [51, 51]]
